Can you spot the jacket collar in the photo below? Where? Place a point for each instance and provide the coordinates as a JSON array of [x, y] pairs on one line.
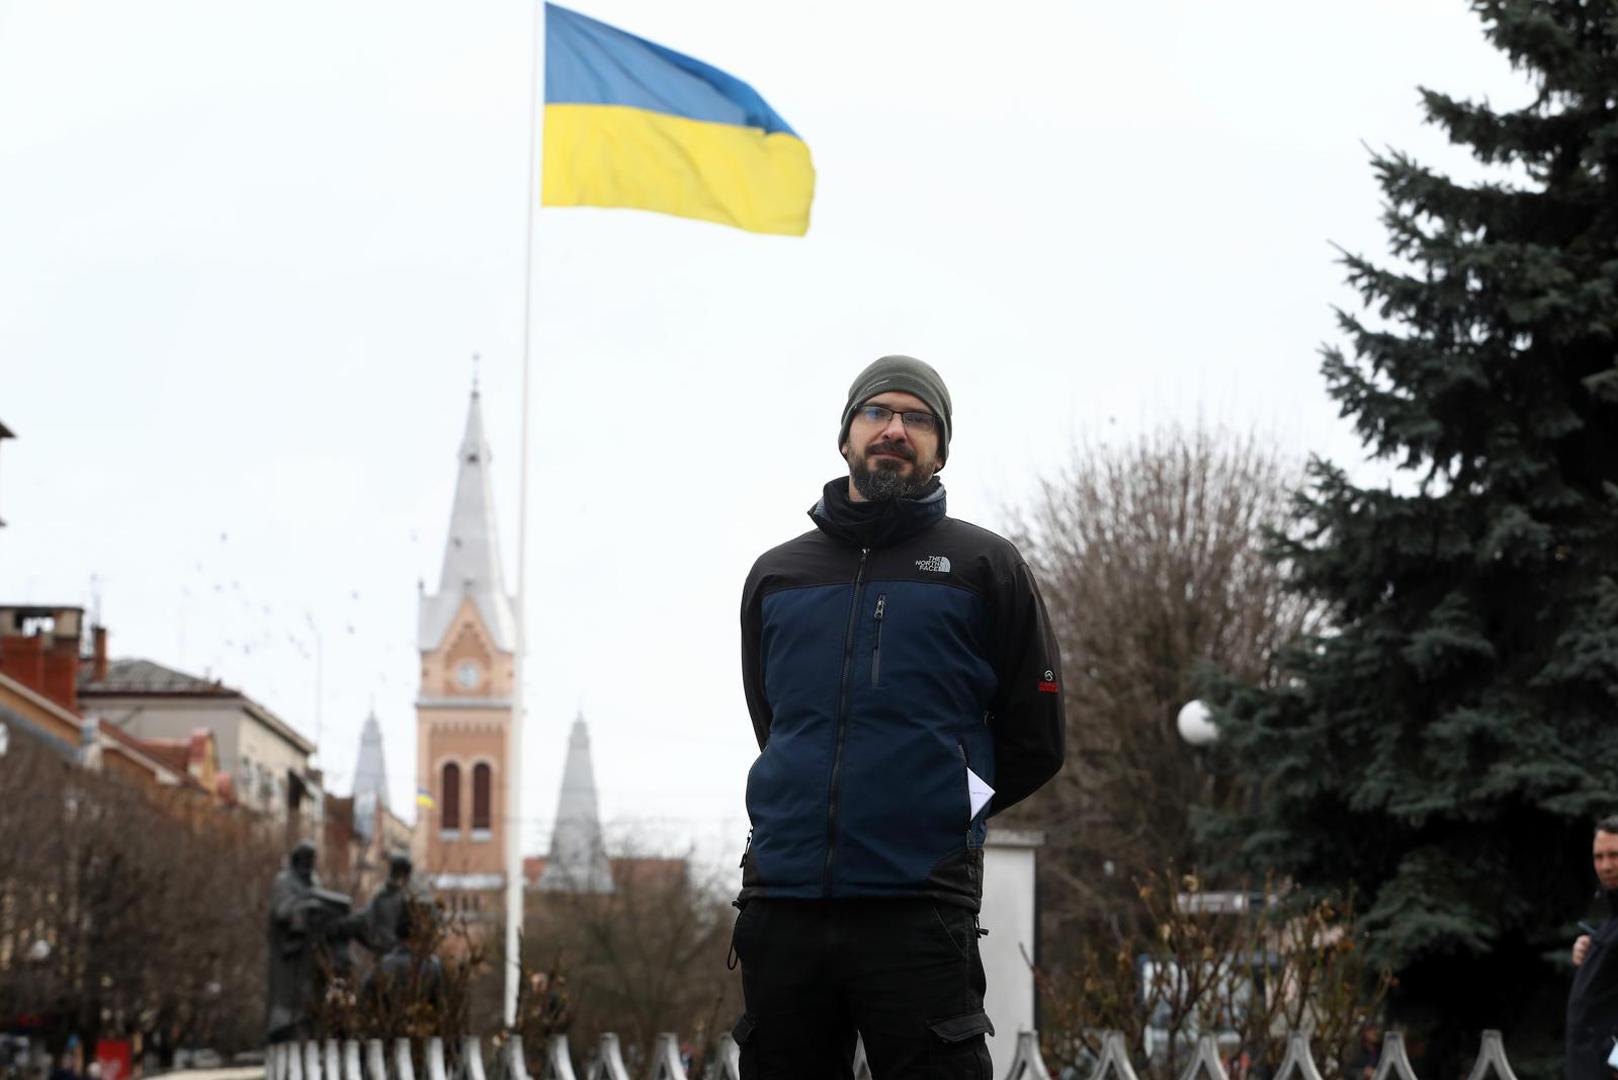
[[876, 524]]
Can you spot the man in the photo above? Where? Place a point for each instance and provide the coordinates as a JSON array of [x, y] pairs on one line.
[[904, 685], [1592, 1004]]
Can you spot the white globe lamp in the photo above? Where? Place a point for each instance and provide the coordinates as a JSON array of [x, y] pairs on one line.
[[1196, 724]]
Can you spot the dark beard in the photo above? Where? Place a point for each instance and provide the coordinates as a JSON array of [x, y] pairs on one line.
[[885, 483]]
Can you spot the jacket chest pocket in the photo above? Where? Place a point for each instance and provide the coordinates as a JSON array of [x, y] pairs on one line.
[[878, 617]]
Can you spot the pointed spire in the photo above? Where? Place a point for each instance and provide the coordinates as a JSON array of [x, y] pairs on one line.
[[578, 859], [472, 550], [370, 777]]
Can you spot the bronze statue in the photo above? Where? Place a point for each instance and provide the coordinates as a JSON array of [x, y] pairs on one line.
[[304, 921], [378, 925], [406, 986]]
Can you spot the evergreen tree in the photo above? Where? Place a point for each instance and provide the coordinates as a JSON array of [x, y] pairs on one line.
[[1445, 748]]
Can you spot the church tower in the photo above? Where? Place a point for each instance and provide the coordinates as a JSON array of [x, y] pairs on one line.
[[467, 638], [370, 780], [578, 860]]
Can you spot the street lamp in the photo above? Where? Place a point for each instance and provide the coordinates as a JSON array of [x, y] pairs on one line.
[[1196, 725]]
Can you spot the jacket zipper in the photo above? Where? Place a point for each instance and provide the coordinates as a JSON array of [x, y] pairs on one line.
[[842, 725], [876, 652]]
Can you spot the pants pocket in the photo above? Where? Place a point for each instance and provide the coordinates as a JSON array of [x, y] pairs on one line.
[[958, 1050], [958, 925]]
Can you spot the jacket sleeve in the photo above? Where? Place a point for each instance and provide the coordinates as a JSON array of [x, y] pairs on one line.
[[753, 660], [1026, 714]]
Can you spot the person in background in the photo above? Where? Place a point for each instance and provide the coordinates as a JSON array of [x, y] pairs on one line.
[[1592, 1001]]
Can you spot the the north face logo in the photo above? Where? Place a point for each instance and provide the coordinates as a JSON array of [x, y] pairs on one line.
[[938, 564]]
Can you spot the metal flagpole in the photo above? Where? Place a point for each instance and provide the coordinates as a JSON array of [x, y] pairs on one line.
[[514, 877]]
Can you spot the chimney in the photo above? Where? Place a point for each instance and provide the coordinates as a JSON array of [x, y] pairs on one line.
[[98, 670]]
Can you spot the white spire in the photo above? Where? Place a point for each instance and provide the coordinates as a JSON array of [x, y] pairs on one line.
[[578, 859], [472, 552], [370, 777]]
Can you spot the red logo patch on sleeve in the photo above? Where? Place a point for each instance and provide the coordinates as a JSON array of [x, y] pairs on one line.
[[1047, 685]]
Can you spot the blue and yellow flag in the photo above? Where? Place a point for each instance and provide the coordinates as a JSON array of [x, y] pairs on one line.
[[630, 123]]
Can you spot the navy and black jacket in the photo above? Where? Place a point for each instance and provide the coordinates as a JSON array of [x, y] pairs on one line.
[[1592, 1003], [885, 653]]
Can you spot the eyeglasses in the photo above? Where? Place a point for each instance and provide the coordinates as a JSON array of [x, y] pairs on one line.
[[912, 419]]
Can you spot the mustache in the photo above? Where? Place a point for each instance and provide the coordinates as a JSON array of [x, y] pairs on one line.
[[887, 446]]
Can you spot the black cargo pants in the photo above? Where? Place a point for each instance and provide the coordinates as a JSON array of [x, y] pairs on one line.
[[905, 974]]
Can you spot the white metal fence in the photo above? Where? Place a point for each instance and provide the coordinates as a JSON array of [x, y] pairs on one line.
[[372, 1059]]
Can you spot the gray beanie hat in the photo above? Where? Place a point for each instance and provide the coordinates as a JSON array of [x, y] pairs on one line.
[[904, 373]]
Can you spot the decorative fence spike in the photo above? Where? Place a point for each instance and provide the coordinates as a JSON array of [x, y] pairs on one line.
[[609, 1061], [1395, 1061], [1492, 1055], [376, 1065], [1205, 1061], [351, 1060], [1114, 1058], [1299, 1059], [435, 1059], [666, 1058], [470, 1067], [1027, 1063], [862, 1065], [728, 1064], [513, 1062], [558, 1060], [330, 1059]]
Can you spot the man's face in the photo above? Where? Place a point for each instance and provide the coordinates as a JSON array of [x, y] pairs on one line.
[[886, 460], [1606, 859]]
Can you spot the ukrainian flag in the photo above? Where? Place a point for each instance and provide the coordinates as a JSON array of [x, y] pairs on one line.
[[630, 123]]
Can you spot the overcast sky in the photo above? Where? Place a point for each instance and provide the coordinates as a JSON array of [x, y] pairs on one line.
[[248, 249]]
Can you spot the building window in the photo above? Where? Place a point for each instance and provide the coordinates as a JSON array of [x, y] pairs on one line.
[[450, 804], [480, 796]]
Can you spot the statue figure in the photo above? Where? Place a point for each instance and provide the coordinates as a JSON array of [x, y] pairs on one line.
[[406, 987], [378, 925], [304, 920]]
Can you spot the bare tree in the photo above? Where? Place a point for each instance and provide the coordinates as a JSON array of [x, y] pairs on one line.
[[645, 958], [1153, 560], [128, 909], [1249, 972]]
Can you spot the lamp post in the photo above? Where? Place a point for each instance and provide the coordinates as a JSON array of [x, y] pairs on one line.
[[320, 654]]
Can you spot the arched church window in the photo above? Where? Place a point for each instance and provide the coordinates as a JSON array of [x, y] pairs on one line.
[[482, 781], [450, 806]]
